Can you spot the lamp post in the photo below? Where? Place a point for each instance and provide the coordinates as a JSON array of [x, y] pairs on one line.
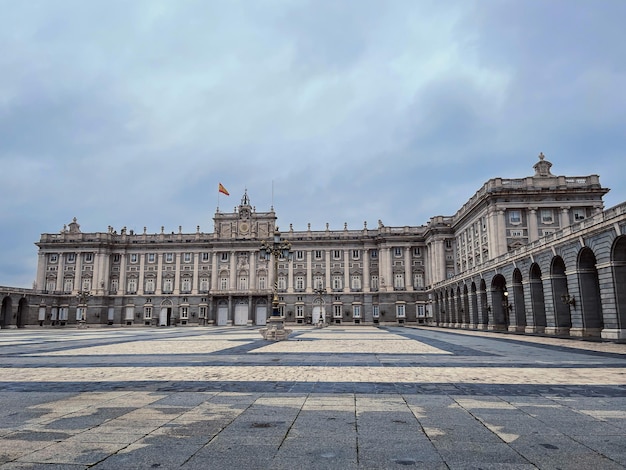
[[83, 297], [275, 249]]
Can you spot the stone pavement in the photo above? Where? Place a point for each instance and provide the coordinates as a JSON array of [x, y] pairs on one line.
[[334, 398]]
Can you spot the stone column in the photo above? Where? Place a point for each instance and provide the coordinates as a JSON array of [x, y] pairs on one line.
[[195, 280], [78, 268], [366, 270], [533, 231], [328, 279], [158, 289], [233, 272], [408, 278], [346, 271], [309, 272], [214, 272], [142, 268], [252, 280], [565, 220]]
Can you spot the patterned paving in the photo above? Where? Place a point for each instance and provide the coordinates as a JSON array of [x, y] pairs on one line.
[[339, 397]]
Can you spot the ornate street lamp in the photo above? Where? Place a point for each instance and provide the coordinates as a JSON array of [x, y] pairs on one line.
[[278, 249], [82, 296]]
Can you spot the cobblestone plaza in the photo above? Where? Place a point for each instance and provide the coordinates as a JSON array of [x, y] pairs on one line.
[[341, 397]]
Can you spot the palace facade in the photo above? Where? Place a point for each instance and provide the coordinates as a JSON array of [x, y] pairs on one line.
[[439, 273]]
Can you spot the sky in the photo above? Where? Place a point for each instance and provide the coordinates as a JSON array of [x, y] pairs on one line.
[[129, 114]]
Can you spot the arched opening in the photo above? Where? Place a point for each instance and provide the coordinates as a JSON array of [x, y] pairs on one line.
[[618, 259], [446, 315], [466, 308], [454, 320], [6, 312], [22, 313], [500, 303], [537, 300], [165, 314], [459, 308], [590, 293], [562, 312], [484, 313], [519, 307], [260, 316], [474, 303]]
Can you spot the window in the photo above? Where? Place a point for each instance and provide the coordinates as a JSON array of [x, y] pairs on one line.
[[133, 257], [149, 287], [299, 255], [282, 283], [70, 257], [336, 254], [318, 254], [168, 286], [448, 243], [224, 256], [204, 284], [114, 285], [579, 214], [51, 285], [87, 284], [356, 282], [116, 258], [400, 311], [262, 282], [147, 313], [398, 281], [356, 254], [300, 311], [300, 282], [88, 257], [202, 312], [421, 311], [205, 257], [186, 284], [397, 252], [515, 217], [375, 311], [169, 257], [224, 283], [243, 282], [54, 258], [337, 284], [547, 232], [547, 216], [318, 282], [151, 257], [356, 309], [132, 286], [374, 254], [417, 251], [418, 280], [337, 311], [63, 311], [184, 313], [517, 233], [187, 257], [374, 282], [68, 285]]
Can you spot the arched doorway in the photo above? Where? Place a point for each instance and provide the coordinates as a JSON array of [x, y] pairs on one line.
[[618, 260], [562, 312], [6, 313], [484, 313], [499, 303], [22, 313], [241, 312], [165, 314], [260, 315], [519, 307], [474, 304], [537, 300], [465, 307], [590, 293]]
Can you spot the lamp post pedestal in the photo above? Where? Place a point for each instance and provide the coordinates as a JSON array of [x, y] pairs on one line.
[[275, 330]]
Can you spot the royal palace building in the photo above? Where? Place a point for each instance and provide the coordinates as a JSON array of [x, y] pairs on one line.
[[530, 255]]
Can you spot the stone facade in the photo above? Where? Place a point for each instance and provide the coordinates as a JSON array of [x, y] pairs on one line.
[[535, 254]]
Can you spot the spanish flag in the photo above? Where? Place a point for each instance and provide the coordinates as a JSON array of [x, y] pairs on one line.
[[223, 190]]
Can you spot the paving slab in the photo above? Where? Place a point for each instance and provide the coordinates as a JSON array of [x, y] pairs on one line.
[[333, 398]]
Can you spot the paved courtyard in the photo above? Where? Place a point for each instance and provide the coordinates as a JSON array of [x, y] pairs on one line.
[[336, 398]]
